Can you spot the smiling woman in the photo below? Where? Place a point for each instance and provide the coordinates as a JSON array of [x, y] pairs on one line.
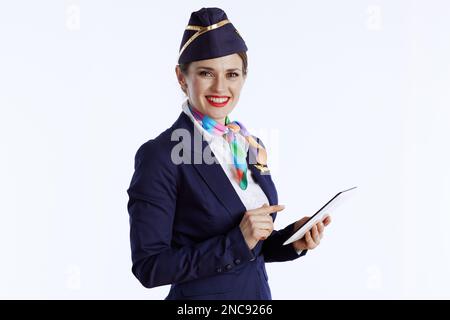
[[206, 227], [214, 83]]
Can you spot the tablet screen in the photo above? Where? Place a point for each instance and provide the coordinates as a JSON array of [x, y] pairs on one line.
[[319, 215]]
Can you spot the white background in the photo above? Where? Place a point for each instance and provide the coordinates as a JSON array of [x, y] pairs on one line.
[[343, 93]]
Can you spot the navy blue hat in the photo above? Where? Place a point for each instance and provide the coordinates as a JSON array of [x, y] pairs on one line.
[[209, 35]]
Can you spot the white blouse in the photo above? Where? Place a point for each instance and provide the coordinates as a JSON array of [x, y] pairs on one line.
[[253, 197]]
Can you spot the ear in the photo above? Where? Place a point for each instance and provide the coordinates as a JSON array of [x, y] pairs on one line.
[[181, 79], [180, 76]]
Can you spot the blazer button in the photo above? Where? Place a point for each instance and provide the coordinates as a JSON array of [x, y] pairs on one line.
[[237, 261], [228, 267], [219, 270]]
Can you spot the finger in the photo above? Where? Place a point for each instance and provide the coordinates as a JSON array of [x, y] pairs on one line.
[[303, 220], [299, 223], [263, 234], [260, 218], [320, 227], [275, 208], [261, 231], [315, 234], [326, 221], [320, 235], [265, 210], [309, 241], [263, 226]]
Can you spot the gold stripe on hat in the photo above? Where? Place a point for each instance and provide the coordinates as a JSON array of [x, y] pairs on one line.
[[201, 30]]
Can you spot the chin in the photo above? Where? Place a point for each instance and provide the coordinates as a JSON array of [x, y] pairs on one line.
[[217, 114]]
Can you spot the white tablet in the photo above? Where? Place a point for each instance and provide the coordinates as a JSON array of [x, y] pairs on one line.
[[319, 215]]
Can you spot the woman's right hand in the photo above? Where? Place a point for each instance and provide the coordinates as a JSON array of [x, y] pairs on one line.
[[257, 224]]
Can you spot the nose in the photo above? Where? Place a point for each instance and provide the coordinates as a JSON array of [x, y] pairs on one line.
[[219, 85]]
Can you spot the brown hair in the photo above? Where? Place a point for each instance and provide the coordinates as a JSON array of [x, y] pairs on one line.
[[185, 66]]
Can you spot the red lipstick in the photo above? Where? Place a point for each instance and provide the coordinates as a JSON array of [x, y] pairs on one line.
[[216, 103]]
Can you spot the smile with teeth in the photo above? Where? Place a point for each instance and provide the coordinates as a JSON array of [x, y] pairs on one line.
[[217, 99]]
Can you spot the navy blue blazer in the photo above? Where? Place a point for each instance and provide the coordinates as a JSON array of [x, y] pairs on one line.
[[184, 225]]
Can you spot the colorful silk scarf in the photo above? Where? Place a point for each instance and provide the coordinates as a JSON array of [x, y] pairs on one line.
[[230, 131]]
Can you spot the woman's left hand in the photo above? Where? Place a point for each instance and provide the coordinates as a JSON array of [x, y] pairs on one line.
[[312, 237]]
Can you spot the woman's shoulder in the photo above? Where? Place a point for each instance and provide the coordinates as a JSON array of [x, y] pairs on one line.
[[153, 166], [161, 146], [156, 149]]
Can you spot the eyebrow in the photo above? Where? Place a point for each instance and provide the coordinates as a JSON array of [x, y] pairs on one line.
[[211, 69]]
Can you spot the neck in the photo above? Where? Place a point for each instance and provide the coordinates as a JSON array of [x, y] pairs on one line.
[[221, 120]]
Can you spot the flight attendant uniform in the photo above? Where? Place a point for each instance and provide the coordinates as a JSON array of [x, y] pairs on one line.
[[185, 214]]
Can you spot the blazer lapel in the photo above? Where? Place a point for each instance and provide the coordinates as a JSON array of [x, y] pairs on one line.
[[216, 179], [264, 183], [214, 176]]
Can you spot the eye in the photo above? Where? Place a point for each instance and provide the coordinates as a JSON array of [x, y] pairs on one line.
[[233, 74], [206, 74]]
